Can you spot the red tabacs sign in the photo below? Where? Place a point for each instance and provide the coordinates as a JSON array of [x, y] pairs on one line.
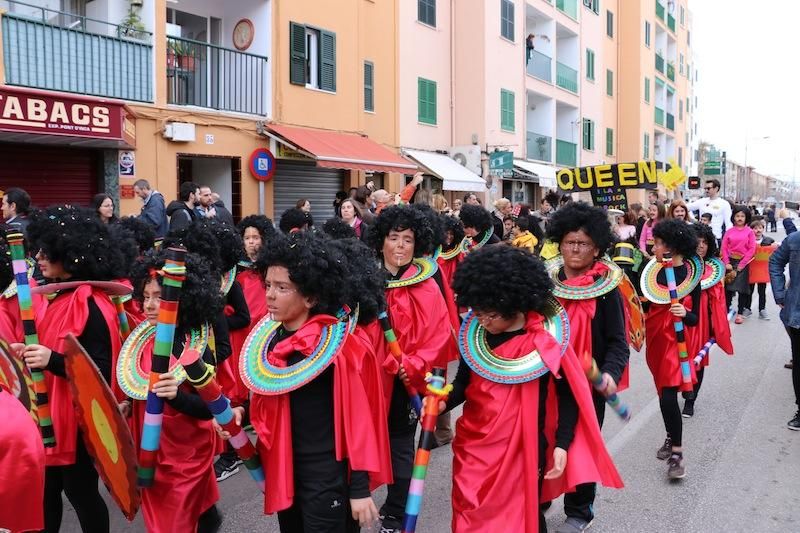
[[44, 113]]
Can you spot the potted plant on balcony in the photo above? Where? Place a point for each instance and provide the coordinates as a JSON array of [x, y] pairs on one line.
[[132, 27], [180, 55]]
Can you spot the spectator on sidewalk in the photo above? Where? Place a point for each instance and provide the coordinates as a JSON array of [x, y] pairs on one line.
[[16, 206], [153, 211], [220, 211], [719, 208], [182, 211]]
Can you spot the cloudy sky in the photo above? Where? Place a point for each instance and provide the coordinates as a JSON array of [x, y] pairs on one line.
[[749, 81]]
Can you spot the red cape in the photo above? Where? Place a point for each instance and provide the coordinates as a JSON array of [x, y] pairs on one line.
[[716, 325], [662, 348], [68, 313], [21, 468], [10, 321], [185, 485], [447, 267], [495, 451], [228, 372], [360, 431]]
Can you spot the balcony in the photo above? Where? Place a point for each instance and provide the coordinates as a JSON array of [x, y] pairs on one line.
[[659, 116], [540, 147], [670, 121], [566, 77], [671, 23], [540, 66], [660, 11], [566, 153], [206, 75], [113, 61], [671, 71], [568, 7], [659, 63]]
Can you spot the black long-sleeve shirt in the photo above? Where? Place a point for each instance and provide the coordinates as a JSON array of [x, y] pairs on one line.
[[240, 318], [567, 406], [95, 339]]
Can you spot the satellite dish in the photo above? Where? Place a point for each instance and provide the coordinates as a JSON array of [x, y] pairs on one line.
[[460, 158]]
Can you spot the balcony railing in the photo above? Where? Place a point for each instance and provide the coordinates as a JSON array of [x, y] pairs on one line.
[[670, 121], [566, 77], [206, 75], [660, 11], [540, 147], [671, 23], [69, 53], [659, 63], [671, 71], [568, 7], [659, 116], [540, 66], [566, 153]]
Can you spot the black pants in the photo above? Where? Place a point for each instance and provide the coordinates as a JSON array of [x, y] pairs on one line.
[[79, 482], [794, 337], [691, 397], [671, 413], [321, 499], [762, 296], [402, 429], [580, 504]]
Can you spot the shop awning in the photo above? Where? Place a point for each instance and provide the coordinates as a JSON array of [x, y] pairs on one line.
[[342, 150], [455, 177], [545, 173]]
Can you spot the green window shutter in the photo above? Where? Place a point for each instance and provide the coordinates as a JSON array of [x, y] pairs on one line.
[[610, 24], [507, 114], [609, 83], [646, 146], [426, 96], [647, 34], [647, 90], [297, 54], [609, 141], [588, 134], [589, 64], [327, 60], [507, 19], [369, 86], [680, 109], [426, 12]]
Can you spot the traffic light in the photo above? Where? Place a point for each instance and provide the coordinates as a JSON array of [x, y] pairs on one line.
[[694, 182]]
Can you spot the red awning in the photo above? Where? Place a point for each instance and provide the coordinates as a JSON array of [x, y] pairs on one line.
[[344, 150]]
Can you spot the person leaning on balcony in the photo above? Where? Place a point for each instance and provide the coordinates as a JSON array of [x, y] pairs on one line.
[[529, 45], [153, 210]]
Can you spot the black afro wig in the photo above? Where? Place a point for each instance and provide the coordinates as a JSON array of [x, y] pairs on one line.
[[200, 300], [705, 233], [83, 245], [231, 247], [262, 223], [142, 232], [452, 225], [367, 280], [294, 219], [475, 216], [400, 218], [581, 216], [336, 228], [677, 235], [502, 279], [748, 215], [198, 238], [318, 270], [435, 224]]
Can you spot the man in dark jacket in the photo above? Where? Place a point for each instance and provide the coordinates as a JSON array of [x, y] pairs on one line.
[[152, 207], [182, 212], [16, 205], [221, 212]]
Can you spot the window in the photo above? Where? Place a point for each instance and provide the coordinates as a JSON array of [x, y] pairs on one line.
[[609, 141], [369, 86], [688, 105], [426, 12], [594, 5], [680, 151], [589, 64], [647, 34], [689, 38], [609, 23], [426, 99], [312, 57], [609, 83], [647, 90], [507, 19], [680, 109], [646, 151], [683, 16], [680, 63], [506, 110], [588, 134]]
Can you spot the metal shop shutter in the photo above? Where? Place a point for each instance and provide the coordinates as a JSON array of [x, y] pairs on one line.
[[295, 180], [50, 174]]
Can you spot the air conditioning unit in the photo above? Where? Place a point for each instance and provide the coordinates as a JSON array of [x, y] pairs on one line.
[[467, 156], [179, 131]]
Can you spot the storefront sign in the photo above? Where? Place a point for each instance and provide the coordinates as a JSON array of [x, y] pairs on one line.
[[639, 175], [262, 164], [44, 113], [610, 198], [501, 164], [127, 164]]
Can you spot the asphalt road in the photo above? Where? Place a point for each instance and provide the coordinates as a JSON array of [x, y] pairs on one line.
[[743, 464]]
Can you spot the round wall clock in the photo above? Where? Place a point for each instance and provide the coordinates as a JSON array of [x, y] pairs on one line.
[[243, 34]]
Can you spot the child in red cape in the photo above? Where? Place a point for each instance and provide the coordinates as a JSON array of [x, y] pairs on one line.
[[505, 460]]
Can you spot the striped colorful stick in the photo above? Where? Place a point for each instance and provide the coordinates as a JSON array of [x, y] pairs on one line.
[[201, 376], [703, 353], [437, 391], [397, 352], [20, 267], [124, 326], [677, 322], [613, 400], [174, 272]]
